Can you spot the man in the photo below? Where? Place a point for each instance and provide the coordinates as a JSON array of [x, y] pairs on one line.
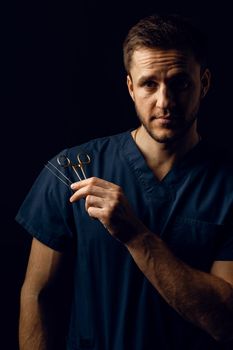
[[154, 270]]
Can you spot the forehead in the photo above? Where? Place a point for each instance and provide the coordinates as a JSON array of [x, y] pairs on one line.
[[160, 61]]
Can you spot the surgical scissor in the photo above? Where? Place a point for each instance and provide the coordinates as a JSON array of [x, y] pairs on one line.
[[82, 158]]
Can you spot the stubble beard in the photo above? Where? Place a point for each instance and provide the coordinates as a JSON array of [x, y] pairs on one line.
[[181, 130]]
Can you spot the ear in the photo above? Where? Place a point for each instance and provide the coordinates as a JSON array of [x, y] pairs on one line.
[[205, 82], [130, 86]]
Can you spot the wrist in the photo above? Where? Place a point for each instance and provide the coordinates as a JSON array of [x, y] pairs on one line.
[[137, 239]]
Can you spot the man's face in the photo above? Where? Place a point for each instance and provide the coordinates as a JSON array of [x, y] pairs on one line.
[[166, 87]]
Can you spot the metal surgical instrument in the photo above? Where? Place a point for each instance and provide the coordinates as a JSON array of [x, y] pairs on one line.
[[64, 161]]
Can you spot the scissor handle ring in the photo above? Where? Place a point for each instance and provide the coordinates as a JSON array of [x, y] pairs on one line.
[[60, 162], [80, 161]]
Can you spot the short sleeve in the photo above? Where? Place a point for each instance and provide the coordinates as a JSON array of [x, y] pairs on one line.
[[46, 212]]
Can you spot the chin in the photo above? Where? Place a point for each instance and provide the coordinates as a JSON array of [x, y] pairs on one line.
[[165, 137]]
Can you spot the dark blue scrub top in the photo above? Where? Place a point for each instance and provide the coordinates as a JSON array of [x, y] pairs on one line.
[[114, 306]]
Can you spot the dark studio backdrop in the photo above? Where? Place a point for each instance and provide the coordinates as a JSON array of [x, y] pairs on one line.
[[64, 83]]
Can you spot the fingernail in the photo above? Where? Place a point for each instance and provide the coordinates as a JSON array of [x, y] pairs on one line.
[[72, 185]]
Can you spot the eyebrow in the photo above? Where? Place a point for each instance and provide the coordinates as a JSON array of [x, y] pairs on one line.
[[145, 78]]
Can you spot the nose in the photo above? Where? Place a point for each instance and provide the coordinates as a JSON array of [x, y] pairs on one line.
[[164, 98]]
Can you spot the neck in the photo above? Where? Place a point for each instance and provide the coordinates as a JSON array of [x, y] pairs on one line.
[[161, 156]]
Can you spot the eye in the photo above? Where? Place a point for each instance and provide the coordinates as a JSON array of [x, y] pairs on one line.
[[150, 84], [180, 84]]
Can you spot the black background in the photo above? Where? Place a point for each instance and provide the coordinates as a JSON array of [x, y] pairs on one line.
[[64, 83]]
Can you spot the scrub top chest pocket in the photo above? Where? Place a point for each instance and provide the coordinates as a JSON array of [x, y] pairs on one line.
[[189, 238]]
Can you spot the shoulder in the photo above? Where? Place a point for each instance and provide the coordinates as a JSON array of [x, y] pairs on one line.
[[97, 145], [218, 157], [218, 166]]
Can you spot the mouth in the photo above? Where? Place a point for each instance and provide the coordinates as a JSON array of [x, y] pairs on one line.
[[168, 120], [167, 116]]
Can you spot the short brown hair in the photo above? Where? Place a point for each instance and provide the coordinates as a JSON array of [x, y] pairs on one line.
[[165, 32]]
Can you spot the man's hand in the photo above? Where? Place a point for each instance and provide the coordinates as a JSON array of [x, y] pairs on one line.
[[106, 202]]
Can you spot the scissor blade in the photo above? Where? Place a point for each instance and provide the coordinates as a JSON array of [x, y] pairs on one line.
[[79, 178], [83, 172]]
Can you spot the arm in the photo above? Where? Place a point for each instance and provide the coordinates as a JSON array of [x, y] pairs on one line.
[[205, 299], [43, 265]]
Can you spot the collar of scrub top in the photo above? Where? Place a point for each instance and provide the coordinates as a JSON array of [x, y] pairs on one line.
[[64, 162]]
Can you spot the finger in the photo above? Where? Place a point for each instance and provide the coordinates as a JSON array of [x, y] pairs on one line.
[[94, 181], [87, 190], [93, 201], [96, 213]]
